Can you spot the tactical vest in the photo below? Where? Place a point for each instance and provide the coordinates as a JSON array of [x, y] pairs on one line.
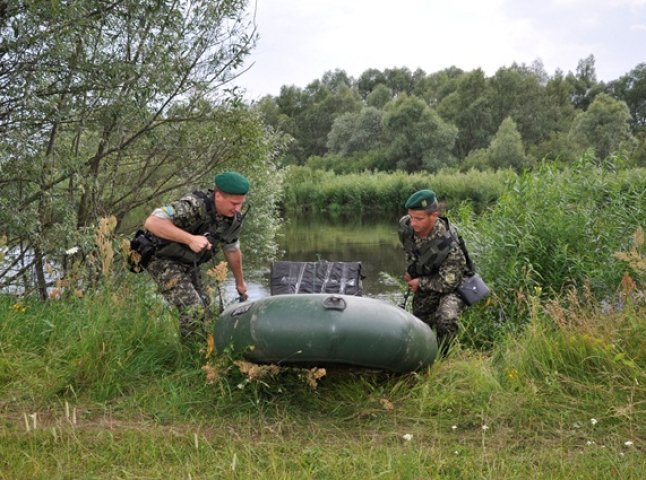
[[204, 226], [429, 257]]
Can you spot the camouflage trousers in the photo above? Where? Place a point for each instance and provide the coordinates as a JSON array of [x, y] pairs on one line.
[[181, 286], [441, 311]]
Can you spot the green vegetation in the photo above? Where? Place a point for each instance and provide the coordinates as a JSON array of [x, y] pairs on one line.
[[100, 387], [397, 119], [97, 384], [320, 191], [114, 109], [550, 231], [111, 108]]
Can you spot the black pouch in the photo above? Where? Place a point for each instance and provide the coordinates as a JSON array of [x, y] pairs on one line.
[[182, 254], [472, 289], [142, 248]]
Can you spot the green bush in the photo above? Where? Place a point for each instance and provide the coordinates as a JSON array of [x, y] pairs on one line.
[[553, 229]]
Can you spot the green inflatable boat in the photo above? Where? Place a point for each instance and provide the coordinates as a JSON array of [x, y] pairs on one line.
[[326, 329]]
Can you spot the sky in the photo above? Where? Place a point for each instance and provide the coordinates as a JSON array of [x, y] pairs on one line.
[[300, 40]]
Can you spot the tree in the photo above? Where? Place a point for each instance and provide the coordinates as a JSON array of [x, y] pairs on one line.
[[336, 80], [631, 88], [418, 138], [436, 86], [506, 149], [466, 108], [379, 96], [356, 132], [368, 80], [559, 113], [605, 126], [314, 122], [100, 110], [518, 92], [399, 80], [584, 83]]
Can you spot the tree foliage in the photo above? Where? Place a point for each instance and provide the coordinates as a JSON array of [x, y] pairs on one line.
[[106, 106], [506, 149], [542, 106], [605, 126], [418, 137]]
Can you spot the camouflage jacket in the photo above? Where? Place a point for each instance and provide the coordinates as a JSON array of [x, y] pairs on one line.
[[446, 276], [191, 213]]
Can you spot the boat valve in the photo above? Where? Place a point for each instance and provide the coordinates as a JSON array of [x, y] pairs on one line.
[[334, 303]]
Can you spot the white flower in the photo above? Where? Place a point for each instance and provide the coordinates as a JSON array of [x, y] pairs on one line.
[[454, 427], [408, 437], [589, 442], [628, 443], [485, 427], [593, 421], [71, 251]]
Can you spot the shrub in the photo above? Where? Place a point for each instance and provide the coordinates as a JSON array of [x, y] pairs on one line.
[[554, 229]]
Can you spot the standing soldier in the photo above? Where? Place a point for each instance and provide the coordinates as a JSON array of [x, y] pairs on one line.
[[186, 233], [436, 265]]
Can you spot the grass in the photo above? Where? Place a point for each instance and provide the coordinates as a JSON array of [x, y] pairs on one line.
[[101, 387]]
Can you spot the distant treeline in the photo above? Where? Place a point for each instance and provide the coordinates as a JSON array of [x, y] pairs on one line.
[[396, 119]]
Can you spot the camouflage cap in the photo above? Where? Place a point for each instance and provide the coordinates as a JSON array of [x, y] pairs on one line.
[[422, 200], [232, 183]]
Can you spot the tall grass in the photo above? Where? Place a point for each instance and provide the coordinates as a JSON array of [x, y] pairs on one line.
[[100, 387], [319, 191], [551, 230]]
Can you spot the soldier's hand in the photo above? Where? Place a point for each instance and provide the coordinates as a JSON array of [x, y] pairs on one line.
[[413, 283], [199, 243], [242, 290]]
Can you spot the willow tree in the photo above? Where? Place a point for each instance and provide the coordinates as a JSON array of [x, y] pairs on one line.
[[105, 105]]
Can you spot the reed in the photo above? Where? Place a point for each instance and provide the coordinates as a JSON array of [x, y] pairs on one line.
[[324, 192]]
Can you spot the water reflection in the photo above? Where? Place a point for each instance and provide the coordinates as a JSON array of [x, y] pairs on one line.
[[374, 243]]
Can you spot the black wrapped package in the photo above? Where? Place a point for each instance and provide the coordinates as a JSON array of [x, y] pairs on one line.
[[316, 277]]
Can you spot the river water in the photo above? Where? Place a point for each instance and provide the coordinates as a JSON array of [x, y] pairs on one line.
[[373, 242]]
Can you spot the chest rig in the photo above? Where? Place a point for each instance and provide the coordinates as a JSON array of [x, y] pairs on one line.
[[426, 260], [210, 225]]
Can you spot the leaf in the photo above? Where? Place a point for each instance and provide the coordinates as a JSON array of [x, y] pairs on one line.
[[210, 345]]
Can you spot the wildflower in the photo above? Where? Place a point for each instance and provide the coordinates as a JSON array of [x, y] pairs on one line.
[[454, 427], [589, 442], [628, 443], [19, 307], [71, 251], [408, 437], [218, 272], [593, 421], [485, 427]]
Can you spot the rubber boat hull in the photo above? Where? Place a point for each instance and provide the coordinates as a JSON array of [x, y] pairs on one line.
[[324, 329]]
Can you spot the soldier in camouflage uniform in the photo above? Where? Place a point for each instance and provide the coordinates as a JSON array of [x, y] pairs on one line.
[[435, 265], [187, 232]]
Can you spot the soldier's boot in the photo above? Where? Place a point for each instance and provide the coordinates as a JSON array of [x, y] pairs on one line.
[[445, 337]]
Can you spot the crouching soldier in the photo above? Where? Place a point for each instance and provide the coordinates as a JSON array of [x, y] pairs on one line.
[[436, 265], [187, 233]]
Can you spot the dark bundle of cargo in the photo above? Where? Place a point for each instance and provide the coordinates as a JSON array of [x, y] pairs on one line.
[[316, 277]]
